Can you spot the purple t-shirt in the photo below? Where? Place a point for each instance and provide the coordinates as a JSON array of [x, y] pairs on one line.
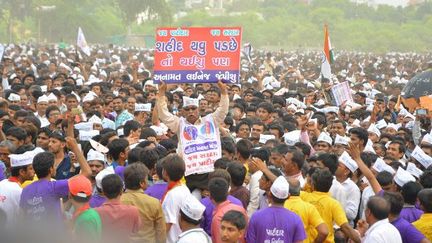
[[157, 190], [2, 176], [41, 199], [411, 214], [275, 224], [97, 200], [208, 213], [408, 232]]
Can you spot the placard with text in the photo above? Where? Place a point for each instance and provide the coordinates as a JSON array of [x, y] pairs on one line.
[[197, 55]]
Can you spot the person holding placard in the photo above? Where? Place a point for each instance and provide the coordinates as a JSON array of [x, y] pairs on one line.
[[199, 141]]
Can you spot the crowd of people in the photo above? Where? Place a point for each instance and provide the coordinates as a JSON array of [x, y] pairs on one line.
[[93, 150]]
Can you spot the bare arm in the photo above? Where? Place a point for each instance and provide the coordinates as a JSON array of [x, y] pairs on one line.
[[73, 146], [221, 112], [355, 154], [350, 232], [322, 233], [164, 115], [263, 168]]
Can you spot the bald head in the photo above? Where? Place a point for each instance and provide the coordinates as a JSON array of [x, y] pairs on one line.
[[379, 207], [294, 187]]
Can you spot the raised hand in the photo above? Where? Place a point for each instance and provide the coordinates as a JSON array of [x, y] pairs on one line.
[[223, 87]]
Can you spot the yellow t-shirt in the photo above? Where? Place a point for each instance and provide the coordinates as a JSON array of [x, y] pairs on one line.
[[26, 183], [329, 208], [308, 213], [424, 225]]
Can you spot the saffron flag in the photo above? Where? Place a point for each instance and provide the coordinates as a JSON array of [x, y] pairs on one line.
[[327, 56], [82, 43]]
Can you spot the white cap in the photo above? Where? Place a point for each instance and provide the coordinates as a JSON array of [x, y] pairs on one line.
[[95, 119], [356, 123], [296, 102], [42, 98], [324, 137], [95, 155], [292, 137], [107, 171], [381, 124], [84, 126], [427, 138], [402, 177], [77, 96], [419, 155], [334, 109], [160, 130], [150, 83], [413, 170], [86, 135], [26, 158], [265, 137], [14, 97], [98, 147], [190, 102], [143, 107], [346, 159], [236, 97], [192, 208], [293, 107], [373, 129], [380, 165], [280, 188], [52, 97], [342, 140], [88, 97], [393, 126]]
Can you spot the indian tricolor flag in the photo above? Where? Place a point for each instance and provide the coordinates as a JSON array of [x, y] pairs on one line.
[[327, 57]]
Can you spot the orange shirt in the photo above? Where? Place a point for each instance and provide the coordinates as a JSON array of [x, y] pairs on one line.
[[218, 213]]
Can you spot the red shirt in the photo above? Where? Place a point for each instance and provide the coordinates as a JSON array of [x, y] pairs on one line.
[[118, 221], [218, 213]]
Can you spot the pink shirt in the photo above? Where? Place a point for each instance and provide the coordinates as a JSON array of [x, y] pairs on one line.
[[119, 221], [218, 213]]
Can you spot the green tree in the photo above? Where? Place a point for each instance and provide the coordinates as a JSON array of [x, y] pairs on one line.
[[152, 9]]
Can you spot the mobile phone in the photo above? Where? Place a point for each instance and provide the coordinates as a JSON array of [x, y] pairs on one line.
[[421, 112]]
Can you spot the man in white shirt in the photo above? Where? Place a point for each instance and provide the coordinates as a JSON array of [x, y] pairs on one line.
[[10, 189], [330, 162], [173, 171], [41, 107], [191, 212], [253, 186], [347, 166], [377, 228]]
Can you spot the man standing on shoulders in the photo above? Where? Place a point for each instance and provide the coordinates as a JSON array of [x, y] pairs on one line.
[[191, 212], [276, 223], [189, 127]]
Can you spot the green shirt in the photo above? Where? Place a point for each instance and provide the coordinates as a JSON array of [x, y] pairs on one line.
[[88, 225]]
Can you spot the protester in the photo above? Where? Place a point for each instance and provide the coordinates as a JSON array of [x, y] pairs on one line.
[[377, 227], [120, 222], [282, 118], [276, 223], [152, 218], [191, 213], [233, 226]]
